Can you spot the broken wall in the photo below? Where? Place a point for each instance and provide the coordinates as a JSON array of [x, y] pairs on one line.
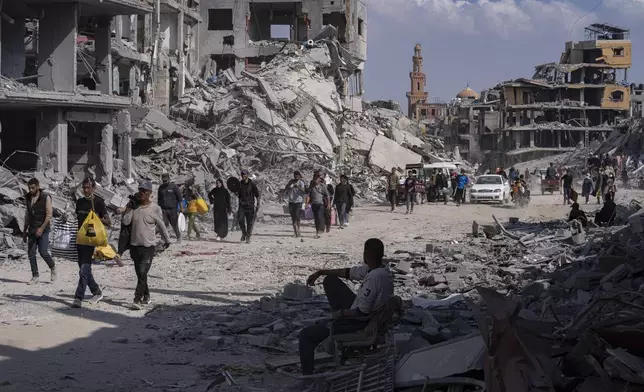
[[13, 48], [616, 97]]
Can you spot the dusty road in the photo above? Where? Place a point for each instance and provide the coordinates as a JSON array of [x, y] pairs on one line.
[[47, 346]]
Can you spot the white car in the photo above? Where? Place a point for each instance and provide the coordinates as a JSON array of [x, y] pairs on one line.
[[490, 187]]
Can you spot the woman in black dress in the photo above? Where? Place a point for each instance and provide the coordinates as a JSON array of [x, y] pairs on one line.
[[219, 198]]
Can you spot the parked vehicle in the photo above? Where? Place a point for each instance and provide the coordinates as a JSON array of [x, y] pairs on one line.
[[490, 188], [423, 172], [551, 185]]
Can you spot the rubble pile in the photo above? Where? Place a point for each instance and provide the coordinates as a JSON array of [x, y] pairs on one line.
[[628, 140]]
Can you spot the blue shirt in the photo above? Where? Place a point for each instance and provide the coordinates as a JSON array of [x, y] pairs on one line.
[[461, 181]]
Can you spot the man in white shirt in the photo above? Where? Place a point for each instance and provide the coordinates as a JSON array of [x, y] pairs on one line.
[[375, 292]]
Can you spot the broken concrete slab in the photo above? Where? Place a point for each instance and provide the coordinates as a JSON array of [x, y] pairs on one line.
[[297, 291], [360, 138], [327, 125], [386, 153], [316, 135]]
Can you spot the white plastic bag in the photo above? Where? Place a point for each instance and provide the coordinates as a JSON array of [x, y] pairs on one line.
[[182, 223]]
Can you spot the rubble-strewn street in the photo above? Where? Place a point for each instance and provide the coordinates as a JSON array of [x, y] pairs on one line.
[[224, 306]]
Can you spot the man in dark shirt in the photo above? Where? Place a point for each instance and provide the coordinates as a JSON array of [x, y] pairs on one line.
[[85, 253], [606, 215], [551, 172], [410, 192], [341, 199], [566, 180], [249, 203], [37, 227], [169, 197]]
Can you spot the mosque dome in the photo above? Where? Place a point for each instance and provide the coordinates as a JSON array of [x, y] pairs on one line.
[[467, 93]]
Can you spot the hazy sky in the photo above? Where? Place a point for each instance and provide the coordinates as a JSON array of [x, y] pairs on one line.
[[481, 42]]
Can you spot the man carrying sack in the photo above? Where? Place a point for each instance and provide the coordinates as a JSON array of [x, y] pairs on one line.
[[92, 215]]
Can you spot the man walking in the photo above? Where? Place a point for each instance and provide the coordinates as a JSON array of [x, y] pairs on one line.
[[84, 206], [249, 203], [169, 196], [410, 192], [319, 200], [144, 220], [296, 190], [566, 179], [328, 211], [392, 188], [341, 199], [461, 182], [36, 232]]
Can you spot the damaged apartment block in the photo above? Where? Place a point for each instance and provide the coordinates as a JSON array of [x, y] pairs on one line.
[[244, 35], [566, 104], [71, 72]]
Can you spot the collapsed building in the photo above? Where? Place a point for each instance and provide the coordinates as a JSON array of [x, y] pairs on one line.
[[245, 35], [565, 105]]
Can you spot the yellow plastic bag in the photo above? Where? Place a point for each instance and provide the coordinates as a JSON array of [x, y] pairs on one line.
[[104, 253], [192, 207], [92, 232], [202, 207]]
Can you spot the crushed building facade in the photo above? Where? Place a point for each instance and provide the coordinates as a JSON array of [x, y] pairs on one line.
[[566, 104], [71, 72], [245, 35]]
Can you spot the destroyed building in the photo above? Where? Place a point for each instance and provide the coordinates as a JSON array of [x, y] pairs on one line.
[[418, 106], [565, 104], [71, 69], [244, 35]]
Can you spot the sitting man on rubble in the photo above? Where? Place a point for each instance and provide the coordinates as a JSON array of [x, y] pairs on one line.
[[350, 311], [606, 215], [578, 214]]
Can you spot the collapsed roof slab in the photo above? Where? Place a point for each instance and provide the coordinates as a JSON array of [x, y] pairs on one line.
[[41, 98]]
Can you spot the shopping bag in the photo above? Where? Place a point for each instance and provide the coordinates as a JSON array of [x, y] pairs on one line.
[[202, 206], [181, 222], [92, 232], [104, 253], [334, 214], [308, 213]]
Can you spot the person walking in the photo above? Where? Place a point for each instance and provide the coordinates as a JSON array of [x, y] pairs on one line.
[[296, 191], [328, 211], [37, 228], [169, 197], [392, 188], [219, 198], [587, 187], [350, 203], [84, 206], [459, 194], [341, 199], [191, 195], [410, 192], [144, 220], [249, 202], [320, 201], [566, 180]]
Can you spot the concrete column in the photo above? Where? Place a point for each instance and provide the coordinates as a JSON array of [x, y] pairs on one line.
[[147, 37], [517, 139], [116, 80], [51, 141], [56, 60], [558, 138], [134, 31], [532, 138], [106, 157], [162, 90], [13, 48], [118, 27], [103, 54], [124, 131], [134, 85], [181, 75]]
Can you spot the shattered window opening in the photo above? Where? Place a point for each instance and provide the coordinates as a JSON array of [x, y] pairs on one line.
[[360, 27], [618, 52], [280, 31], [220, 19], [617, 96]]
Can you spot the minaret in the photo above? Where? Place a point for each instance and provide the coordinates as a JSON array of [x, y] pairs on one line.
[[418, 82]]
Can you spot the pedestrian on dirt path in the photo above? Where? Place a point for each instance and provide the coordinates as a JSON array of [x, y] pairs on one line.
[[144, 221], [219, 198], [567, 180], [350, 203], [296, 191], [89, 202], [169, 197], [328, 211], [249, 202], [320, 201], [37, 229], [191, 196], [587, 187], [459, 194], [392, 188], [341, 200], [375, 293], [410, 192]]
